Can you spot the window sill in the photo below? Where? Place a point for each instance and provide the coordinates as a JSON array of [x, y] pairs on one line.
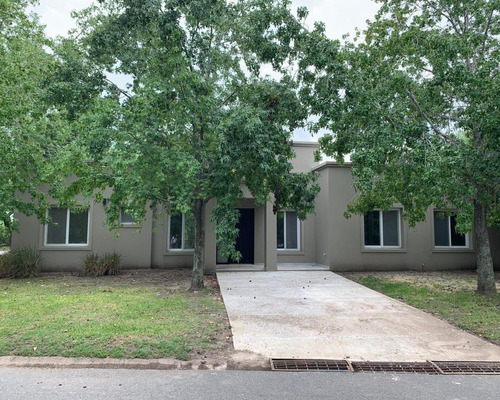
[[128, 226], [453, 250], [179, 253], [283, 252], [383, 250], [85, 247]]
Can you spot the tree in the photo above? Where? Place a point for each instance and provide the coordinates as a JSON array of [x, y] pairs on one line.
[[416, 105], [197, 118], [31, 130]]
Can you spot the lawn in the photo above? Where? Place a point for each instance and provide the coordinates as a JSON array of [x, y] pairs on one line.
[[447, 295], [138, 314]]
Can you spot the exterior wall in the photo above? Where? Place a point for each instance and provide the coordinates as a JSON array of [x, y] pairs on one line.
[[322, 220], [304, 160], [327, 237], [133, 242], [495, 246], [347, 244]]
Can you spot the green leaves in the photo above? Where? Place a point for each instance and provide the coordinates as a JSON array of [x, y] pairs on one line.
[[413, 106], [197, 119], [32, 131]]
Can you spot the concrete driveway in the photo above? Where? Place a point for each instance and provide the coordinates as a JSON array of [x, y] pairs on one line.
[[319, 314]]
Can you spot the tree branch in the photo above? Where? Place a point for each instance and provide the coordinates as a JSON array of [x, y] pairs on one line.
[[487, 29], [120, 90], [436, 130]]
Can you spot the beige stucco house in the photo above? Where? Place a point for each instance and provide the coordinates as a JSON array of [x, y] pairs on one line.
[[377, 241]]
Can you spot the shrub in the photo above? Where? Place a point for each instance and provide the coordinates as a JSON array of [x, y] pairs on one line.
[[111, 263], [91, 266], [24, 262], [108, 264], [4, 235]]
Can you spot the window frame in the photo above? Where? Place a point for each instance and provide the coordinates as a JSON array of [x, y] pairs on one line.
[[299, 233], [381, 246], [183, 230], [66, 237], [447, 218], [126, 224]]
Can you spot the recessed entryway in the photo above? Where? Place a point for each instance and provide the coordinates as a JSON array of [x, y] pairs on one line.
[[245, 243]]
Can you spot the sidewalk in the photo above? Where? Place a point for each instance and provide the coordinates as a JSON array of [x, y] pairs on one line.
[[297, 314]]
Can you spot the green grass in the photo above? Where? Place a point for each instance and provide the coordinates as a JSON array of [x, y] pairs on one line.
[[107, 317], [459, 306]]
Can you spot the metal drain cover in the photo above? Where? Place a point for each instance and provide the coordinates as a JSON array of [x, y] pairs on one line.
[[427, 367], [292, 364], [397, 367], [468, 368]]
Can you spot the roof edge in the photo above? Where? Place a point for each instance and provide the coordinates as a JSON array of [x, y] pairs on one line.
[[331, 164], [305, 144]]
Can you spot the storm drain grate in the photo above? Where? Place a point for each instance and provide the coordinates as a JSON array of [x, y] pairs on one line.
[[290, 364], [397, 367], [468, 368], [428, 367]]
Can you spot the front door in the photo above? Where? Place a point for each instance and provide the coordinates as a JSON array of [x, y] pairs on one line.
[[245, 239]]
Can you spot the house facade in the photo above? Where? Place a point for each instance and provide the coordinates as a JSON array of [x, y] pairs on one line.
[[379, 240]]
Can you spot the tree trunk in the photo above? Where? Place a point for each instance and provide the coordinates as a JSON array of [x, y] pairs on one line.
[[199, 246], [485, 272]]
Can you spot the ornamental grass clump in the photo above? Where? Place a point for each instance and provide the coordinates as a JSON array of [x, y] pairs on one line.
[[110, 263], [24, 262], [95, 265]]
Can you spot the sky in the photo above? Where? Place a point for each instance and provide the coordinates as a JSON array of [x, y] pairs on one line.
[[340, 17]]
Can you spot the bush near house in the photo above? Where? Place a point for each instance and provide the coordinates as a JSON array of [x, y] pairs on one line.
[[4, 235], [95, 265], [20, 263]]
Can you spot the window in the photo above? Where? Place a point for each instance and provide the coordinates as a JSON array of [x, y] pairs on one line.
[[288, 230], [126, 219], [445, 234], [382, 228], [67, 227], [181, 232]]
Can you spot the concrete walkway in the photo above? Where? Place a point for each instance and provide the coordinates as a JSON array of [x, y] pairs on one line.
[[302, 314]]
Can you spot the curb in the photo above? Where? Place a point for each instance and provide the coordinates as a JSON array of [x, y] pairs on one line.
[[232, 363]]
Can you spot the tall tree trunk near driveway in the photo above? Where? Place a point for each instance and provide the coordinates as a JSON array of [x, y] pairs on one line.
[[485, 272], [199, 245]]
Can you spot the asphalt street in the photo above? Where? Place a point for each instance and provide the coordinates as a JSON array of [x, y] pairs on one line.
[[54, 384]]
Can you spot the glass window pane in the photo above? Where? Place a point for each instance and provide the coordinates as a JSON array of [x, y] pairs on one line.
[[56, 229], [78, 227], [281, 230], [441, 237], [126, 218], [391, 228], [291, 230], [189, 232], [372, 228], [175, 232], [456, 238]]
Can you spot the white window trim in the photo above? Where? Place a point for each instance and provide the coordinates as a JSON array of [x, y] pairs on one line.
[[284, 234], [381, 232], [182, 235], [66, 238], [448, 220]]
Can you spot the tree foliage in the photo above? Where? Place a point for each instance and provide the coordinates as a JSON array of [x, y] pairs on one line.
[[197, 117], [415, 103], [31, 130]]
